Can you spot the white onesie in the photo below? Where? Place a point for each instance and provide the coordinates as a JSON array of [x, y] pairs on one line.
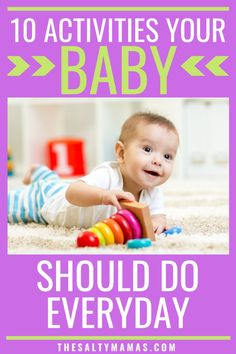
[[58, 211]]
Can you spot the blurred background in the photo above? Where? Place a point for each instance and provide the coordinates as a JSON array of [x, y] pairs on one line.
[[74, 135]]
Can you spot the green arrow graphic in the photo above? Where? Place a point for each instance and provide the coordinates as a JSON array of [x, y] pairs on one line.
[[190, 65], [214, 65], [20, 65], [45, 65]]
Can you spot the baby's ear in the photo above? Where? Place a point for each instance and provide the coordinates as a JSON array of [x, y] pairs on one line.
[[119, 148]]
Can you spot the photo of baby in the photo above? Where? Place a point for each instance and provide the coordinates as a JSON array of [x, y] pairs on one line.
[[54, 211]]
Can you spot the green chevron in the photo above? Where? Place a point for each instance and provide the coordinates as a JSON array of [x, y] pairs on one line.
[[214, 65], [45, 65], [190, 65], [20, 65]]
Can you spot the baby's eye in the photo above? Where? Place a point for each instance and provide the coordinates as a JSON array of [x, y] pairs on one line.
[[147, 149], [168, 157]]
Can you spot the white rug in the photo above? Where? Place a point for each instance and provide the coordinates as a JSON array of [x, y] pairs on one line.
[[199, 208]]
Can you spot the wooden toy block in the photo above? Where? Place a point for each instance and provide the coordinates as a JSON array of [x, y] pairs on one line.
[[141, 211]]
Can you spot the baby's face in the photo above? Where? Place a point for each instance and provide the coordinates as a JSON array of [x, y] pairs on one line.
[[149, 157]]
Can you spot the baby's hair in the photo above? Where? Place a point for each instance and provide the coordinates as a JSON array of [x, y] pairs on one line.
[[128, 129]]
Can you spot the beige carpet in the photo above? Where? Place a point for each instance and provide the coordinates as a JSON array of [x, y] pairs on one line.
[[199, 208]]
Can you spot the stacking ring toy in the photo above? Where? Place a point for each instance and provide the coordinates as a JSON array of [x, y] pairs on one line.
[[116, 229], [87, 239], [126, 229], [173, 230], [133, 222], [139, 243], [106, 231], [99, 235]]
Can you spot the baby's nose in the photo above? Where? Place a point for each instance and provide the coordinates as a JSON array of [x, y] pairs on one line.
[[157, 160]]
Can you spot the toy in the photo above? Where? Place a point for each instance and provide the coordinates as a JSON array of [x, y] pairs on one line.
[[132, 223], [125, 227], [116, 229], [67, 157], [139, 243], [9, 162], [87, 239], [173, 230], [141, 211], [107, 233], [99, 235]]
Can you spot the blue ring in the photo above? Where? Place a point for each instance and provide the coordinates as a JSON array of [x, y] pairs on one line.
[[139, 243]]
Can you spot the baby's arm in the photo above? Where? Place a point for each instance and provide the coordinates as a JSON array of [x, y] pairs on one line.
[[82, 194], [159, 223]]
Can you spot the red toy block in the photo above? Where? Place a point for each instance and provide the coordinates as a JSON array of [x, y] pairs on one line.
[[66, 157]]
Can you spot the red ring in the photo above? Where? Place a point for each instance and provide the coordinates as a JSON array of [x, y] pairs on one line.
[[127, 231]]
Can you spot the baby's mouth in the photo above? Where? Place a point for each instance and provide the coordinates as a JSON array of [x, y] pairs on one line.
[[152, 173]]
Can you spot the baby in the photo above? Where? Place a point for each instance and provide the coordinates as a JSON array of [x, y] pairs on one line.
[[145, 154]]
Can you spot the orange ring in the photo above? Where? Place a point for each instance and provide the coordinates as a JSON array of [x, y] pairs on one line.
[[116, 229], [107, 233], [125, 227]]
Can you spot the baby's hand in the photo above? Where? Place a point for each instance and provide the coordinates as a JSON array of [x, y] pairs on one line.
[[112, 197], [159, 223]]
